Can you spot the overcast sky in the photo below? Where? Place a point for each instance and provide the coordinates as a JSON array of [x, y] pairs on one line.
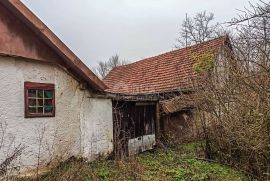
[[135, 29]]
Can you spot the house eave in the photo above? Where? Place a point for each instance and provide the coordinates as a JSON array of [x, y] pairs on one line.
[[45, 34]]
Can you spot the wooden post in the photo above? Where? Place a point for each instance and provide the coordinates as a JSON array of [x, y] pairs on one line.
[[157, 123]]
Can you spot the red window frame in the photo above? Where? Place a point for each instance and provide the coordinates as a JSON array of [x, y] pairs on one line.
[[38, 86]]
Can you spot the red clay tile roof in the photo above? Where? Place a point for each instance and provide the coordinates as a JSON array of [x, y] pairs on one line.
[[167, 72], [43, 32]]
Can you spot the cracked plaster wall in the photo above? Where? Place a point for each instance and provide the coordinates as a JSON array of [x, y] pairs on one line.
[[82, 125]]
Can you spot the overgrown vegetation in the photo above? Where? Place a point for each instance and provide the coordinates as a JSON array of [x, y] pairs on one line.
[[178, 162], [203, 62], [10, 151], [236, 93]]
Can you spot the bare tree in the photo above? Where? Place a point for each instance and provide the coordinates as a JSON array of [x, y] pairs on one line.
[[105, 67], [198, 29], [102, 69], [115, 61], [236, 95]]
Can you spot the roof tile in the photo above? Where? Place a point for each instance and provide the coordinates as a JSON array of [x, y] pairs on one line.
[[167, 72]]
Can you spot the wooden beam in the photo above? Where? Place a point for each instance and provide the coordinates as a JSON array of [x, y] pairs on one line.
[[157, 123], [145, 103]]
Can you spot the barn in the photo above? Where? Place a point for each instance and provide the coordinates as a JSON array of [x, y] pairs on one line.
[[153, 99]]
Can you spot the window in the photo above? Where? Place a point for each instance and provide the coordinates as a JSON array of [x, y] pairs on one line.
[[39, 100]]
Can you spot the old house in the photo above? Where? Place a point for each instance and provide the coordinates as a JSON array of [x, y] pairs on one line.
[[146, 96], [52, 106]]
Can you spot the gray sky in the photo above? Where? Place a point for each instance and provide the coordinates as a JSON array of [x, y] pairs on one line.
[[97, 29]]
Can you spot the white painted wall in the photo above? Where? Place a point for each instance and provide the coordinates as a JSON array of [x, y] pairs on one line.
[[97, 134], [82, 126]]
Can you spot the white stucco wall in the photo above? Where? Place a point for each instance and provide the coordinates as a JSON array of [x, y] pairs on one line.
[[97, 134], [82, 125]]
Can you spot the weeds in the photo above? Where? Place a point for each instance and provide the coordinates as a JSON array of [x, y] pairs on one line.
[[179, 163]]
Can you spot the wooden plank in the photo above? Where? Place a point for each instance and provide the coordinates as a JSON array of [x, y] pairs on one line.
[[157, 123], [145, 103]]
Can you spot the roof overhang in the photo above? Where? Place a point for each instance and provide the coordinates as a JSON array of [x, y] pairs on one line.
[[45, 34], [181, 102]]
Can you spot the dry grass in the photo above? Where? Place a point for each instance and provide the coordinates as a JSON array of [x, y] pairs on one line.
[[177, 163]]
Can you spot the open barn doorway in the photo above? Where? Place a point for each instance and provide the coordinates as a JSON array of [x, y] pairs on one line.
[[134, 127]]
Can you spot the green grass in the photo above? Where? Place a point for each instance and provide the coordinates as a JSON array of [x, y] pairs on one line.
[[178, 163]]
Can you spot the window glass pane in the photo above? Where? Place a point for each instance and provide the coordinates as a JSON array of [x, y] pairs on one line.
[[48, 94], [40, 110], [40, 93], [31, 93], [48, 102], [48, 109], [40, 102], [32, 110], [32, 102]]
